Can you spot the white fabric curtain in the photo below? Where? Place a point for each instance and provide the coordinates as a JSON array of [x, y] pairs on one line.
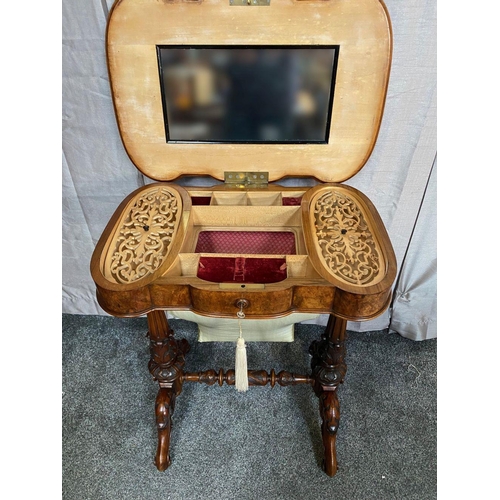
[[398, 178], [415, 301]]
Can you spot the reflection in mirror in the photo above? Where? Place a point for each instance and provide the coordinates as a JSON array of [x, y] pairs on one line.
[[247, 95]]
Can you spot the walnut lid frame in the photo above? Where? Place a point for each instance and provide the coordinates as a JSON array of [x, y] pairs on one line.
[[361, 29]]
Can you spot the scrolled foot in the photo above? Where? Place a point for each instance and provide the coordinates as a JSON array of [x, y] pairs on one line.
[[164, 409], [162, 459], [331, 470], [330, 414]]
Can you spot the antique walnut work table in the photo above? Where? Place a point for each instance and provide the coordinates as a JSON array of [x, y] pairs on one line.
[[247, 92]]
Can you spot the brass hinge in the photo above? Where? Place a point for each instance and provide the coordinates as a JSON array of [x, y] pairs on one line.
[[246, 179], [249, 2]]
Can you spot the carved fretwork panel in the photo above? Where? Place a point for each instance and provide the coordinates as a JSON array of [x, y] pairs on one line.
[[347, 246], [143, 236]]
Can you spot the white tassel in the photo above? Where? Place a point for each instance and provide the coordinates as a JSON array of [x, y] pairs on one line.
[[240, 370]]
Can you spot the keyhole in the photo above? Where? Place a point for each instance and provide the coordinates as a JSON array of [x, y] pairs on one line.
[[146, 228], [343, 231]]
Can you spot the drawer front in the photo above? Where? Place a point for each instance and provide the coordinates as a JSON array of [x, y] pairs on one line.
[[260, 303]]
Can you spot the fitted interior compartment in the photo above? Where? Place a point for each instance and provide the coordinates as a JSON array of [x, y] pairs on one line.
[[246, 242], [224, 269], [246, 198], [201, 200], [255, 243], [237, 268], [231, 198], [249, 229]]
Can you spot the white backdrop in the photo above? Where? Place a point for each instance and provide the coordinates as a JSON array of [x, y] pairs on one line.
[[399, 178]]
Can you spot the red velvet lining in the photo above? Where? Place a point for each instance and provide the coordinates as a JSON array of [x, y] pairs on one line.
[[201, 200], [250, 242], [241, 269], [291, 201], [285, 201]]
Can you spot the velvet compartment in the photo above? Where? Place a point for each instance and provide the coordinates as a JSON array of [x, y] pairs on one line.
[[242, 269], [246, 242]]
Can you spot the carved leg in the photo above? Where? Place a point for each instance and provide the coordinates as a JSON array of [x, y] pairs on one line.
[[166, 366], [164, 409], [328, 371], [330, 413]]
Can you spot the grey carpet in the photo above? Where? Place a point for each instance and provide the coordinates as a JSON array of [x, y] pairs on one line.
[[264, 444]]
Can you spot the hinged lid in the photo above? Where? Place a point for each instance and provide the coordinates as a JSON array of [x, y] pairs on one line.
[[340, 51]]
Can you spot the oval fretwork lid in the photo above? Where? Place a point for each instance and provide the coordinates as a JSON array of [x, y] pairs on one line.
[[348, 248], [356, 31], [346, 239], [142, 238]]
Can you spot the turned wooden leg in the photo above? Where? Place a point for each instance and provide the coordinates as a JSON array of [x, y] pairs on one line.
[[166, 366], [328, 371]]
